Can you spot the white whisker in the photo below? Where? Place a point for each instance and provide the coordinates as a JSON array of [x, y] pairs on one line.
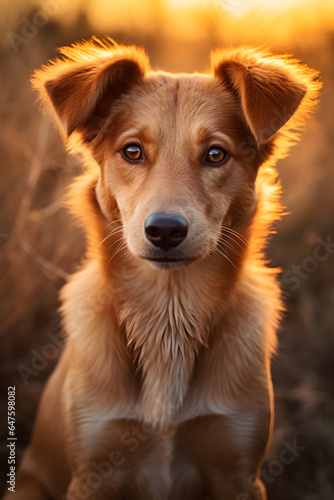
[[113, 222], [119, 250], [117, 241], [221, 241], [112, 233], [220, 252], [235, 233]]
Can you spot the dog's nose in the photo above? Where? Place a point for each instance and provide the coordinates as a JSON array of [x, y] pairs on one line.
[[166, 230]]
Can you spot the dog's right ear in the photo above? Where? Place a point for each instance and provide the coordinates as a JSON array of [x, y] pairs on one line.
[[82, 86], [270, 89]]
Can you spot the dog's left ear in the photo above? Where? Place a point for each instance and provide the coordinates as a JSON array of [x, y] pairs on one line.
[[269, 89], [80, 88]]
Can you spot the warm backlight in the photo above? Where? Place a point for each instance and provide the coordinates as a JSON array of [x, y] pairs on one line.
[[246, 21]]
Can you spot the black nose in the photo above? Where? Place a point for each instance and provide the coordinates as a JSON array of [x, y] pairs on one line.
[[166, 230]]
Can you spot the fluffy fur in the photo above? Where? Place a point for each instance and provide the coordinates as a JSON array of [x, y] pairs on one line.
[[164, 389]]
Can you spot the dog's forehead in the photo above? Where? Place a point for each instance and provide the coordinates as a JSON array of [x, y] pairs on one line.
[[182, 100], [187, 92], [187, 81]]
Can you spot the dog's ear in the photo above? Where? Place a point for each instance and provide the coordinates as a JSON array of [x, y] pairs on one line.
[[269, 89], [87, 80]]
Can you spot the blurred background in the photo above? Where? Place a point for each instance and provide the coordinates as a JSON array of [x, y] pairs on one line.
[[40, 245]]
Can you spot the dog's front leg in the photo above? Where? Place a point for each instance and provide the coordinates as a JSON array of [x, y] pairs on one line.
[[130, 461], [220, 454], [83, 487], [224, 454], [242, 450]]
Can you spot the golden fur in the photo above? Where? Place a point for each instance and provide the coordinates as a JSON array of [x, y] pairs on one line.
[[164, 389]]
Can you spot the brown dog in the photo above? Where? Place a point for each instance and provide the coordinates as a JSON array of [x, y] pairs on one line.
[[164, 389]]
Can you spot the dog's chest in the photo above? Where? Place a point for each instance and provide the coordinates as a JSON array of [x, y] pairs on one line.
[[166, 321]]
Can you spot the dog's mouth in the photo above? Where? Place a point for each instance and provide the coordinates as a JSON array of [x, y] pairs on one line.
[[168, 262]]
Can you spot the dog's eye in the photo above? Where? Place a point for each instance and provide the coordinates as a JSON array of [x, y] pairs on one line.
[[132, 152], [216, 155]]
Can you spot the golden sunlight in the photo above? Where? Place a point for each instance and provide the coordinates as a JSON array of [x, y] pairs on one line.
[[275, 20], [242, 7]]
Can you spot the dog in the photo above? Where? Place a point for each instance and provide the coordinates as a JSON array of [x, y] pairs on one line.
[[164, 388]]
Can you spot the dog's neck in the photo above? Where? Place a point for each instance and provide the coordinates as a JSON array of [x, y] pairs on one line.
[[166, 316]]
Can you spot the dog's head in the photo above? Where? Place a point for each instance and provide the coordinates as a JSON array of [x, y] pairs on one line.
[[178, 154]]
